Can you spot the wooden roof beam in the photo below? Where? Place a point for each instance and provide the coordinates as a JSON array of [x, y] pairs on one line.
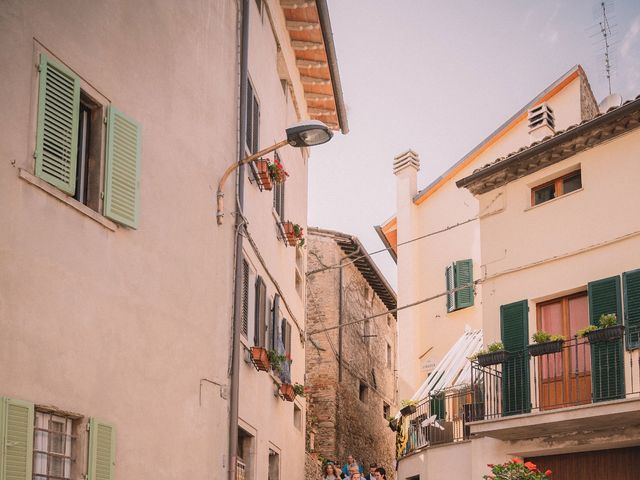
[[315, 80], [300, 26], [317, 96], [304, 45], [311, 64], [296, 3]]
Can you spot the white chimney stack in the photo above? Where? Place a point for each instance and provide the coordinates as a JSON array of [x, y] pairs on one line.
[[406, 160], [541, 122]]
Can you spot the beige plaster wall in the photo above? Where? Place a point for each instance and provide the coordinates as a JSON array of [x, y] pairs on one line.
[[428, 330]]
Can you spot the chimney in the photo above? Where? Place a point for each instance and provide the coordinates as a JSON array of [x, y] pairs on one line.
[[541, 122], [405, 168]]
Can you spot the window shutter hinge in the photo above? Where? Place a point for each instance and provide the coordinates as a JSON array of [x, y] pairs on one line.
[[88, 426], [102, 195], [39, 67], [104, 119], [35, 154]]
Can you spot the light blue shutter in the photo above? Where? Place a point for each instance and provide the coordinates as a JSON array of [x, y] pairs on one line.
[[122, 170], [57, 129], [16, 439], [102, 449]]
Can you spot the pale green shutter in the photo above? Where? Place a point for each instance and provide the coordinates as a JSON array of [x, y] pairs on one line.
[[122, 170], [102, 449], [57, 129], [631, 281], [464, 276], [16, 439]]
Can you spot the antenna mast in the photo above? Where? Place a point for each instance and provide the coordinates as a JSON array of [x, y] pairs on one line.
[[605, 29]]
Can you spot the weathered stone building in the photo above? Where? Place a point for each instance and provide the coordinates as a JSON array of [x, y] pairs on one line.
[[351, 371]]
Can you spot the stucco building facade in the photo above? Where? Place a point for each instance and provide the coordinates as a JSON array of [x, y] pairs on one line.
[[116, 282], [351, 371]]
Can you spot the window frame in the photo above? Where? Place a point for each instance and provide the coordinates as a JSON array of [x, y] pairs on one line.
[[558, 184]]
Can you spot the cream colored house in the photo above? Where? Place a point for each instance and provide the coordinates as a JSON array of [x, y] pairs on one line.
[[449, 255], [557, 248], [117, 285]]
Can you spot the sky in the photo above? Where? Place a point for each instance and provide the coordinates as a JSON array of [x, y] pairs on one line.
[[439, 77]]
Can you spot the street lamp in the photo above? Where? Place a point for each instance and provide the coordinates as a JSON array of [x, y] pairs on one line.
[[304, 134]]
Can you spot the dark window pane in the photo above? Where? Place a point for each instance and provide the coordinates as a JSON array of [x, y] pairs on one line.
[[574, 182], [544, 194]]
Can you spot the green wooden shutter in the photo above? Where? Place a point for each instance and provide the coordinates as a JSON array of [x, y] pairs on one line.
[[514, 327], [260, 313], [607, 363], [437, 405], [16, 439], [631, 282], [451, 297], [464, 276], [122, 169], [102, 449], [57, 130]]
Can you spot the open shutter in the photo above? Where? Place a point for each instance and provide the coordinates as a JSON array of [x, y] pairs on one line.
[[245, 298], [607, 364], [437, 405], [514, 326], [631, 281], [57, 130], [464, 276], [451, 297], [102, 449], [16, 439], [261, 311], [287, 345], [122, 170], [273, 324]]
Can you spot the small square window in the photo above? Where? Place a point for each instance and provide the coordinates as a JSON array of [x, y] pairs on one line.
[[386, 410], [556, 188], [363, 392]]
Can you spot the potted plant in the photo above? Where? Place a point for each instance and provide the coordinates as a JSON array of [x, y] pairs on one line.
[[287, 392], [275, 360], [493, 355], [408, 407], [393, 423], [294, 234], [260, 358], [609, 329], [298, 388], [277, 173], [516, 469], [264, 176], [545, 343]]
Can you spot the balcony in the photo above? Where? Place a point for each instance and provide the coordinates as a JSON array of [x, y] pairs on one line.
[[441, 418], [586, 385]]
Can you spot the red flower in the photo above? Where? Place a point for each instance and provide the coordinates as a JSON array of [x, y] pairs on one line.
[[548, 473], [516, 460], [490, 465], [530, 466]]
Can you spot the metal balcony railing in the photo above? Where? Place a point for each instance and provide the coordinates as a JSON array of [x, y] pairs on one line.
[[582, 372]]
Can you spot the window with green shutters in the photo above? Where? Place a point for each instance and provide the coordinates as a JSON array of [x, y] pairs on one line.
[[457, 275], [631, 290], [69, 143], [607, 363], [16, 439], [102, 448], [514, 328]]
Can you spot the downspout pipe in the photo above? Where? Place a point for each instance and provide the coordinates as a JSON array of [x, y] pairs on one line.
[[237, 286]]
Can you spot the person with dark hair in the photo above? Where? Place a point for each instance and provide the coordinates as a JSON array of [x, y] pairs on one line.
[[372, 471], [380, 474], [331, 472]]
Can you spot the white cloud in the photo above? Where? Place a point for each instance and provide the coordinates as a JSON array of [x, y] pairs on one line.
[[630, 37]]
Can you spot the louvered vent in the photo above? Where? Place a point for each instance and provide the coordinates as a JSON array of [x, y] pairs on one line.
[[541, 122], [406, 159], [57, 135]]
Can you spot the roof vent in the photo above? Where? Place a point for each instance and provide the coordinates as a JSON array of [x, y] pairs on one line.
[[406, 159], [541, 122]]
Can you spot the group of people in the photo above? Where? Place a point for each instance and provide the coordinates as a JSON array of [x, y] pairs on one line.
[[352, 470]]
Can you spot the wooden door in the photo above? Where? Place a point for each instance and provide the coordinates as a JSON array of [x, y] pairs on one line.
[[564, 378]]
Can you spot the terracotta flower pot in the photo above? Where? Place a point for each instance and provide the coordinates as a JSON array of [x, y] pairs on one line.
[[262, 167], [287, 392], [290, 234], [260, 358]]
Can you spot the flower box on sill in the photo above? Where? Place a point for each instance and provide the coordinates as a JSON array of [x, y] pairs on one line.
[[408, 409], [287, 392], [605, 334], [393, 424], [260, 359], [264, 178], [493, 358], [544, 348], [293, 234]]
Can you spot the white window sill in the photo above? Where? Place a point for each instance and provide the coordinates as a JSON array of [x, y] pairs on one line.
[[553, 200], [64, 198]]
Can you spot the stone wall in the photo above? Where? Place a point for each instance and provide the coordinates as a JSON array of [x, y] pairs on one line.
[[348, 387]]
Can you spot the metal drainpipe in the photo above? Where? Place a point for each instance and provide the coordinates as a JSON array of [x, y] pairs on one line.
[[237, 321], [340, 300]]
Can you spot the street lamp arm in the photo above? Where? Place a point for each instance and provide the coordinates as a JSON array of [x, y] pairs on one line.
[[232, 167]]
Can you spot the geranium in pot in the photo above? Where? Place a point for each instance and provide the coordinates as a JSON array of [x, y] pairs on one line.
[[545, 343], [294, 234], [264, 176], [260, 358], [287, 391], [516, 469]]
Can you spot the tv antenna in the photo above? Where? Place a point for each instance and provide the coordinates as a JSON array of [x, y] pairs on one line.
[[605, 30]]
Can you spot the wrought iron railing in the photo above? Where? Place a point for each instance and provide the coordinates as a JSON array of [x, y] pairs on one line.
[[440, 418], [581, 372]]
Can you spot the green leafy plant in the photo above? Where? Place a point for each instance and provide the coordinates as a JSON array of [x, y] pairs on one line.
[[542, 337], [298, 232], [299, 389], [406, 403], [582, 332], [276, 359], [608, 320], [495, 347], [516, 469], [277, 172]]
